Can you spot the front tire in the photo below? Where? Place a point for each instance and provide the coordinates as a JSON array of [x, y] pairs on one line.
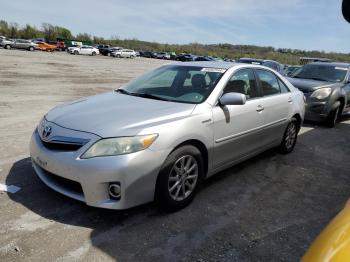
[[179, 178], [290, 137], [7, 47], [333, 116], [93, 53], [31, 48], [76, 52]]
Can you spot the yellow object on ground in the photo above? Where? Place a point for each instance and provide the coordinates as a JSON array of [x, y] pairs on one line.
[[333, 244]]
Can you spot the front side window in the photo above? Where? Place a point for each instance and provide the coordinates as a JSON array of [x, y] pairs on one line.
[[177, 83], [243, 81], [269, 82]]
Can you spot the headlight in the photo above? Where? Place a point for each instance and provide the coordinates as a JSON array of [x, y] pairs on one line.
[[322, 93], [119, 146]]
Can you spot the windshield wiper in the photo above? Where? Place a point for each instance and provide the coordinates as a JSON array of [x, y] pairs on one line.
[[145, 95], [122, 91], [311, 78]]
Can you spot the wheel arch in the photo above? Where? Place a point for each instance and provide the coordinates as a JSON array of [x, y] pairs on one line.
[[299, 120], [201, 147], [342, 103]]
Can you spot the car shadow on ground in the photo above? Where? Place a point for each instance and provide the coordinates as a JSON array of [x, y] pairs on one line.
[[267, 208]]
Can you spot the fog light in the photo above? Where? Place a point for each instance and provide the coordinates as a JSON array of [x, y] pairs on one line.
[[114, 191]]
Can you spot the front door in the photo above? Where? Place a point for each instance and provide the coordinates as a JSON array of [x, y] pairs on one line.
[[238, 128]]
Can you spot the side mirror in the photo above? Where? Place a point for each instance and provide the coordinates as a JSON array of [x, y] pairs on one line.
[[232, 99]]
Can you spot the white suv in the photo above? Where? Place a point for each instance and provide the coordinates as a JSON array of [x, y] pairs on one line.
[[124, 53]]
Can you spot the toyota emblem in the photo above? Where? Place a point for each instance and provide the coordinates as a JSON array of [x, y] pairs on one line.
[[47, 131]]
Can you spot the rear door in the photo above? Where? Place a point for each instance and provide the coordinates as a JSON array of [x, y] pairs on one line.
[[238, 128], [84, 50], [277, 105]]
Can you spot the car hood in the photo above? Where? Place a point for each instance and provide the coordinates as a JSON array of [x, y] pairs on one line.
[[113, 114], [309, 85]]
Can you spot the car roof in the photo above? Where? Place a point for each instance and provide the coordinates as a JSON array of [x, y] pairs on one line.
[[338, 64]]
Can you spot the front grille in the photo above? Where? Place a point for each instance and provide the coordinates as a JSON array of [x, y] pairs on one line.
[[63, 143], [65, 183], [61, 146]]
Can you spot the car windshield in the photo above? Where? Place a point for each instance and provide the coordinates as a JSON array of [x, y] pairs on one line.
[[329, 73], [176, 83]]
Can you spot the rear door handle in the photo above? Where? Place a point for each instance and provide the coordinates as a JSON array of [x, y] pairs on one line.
[[259, 108]]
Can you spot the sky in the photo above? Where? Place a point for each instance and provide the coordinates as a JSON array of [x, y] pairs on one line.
[[297, 24]]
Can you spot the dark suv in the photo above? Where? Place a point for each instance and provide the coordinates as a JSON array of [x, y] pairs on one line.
[[326, 87]]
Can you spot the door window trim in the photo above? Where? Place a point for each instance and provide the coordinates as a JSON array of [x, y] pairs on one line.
[[277, 78], [256, 82]]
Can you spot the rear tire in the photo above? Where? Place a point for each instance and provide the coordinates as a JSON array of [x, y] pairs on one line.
[[179, 178], [289, 138], [332, 118], [118, 56]]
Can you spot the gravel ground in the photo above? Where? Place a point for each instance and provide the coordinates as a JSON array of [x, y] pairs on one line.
[[269, 208]]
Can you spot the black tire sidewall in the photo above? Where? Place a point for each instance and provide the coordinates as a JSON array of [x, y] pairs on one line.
[[332, 117], [282, 148], [162, 195]]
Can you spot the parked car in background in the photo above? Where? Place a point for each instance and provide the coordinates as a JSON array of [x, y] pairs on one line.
[[290, 70], [204, 58], [22, 44], [46, 47], [60, 45], [6, 43], [160, 135], [229, 60], [102, 48], [109, 51], [148, 54], [269, 63], [125, 53], [326, 87], [163, 55], [84, 50], [186, 57]]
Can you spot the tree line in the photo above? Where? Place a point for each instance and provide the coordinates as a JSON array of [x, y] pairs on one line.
[[225, 50]]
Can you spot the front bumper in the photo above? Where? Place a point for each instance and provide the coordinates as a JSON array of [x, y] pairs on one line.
[[316, 110], [88, 180]]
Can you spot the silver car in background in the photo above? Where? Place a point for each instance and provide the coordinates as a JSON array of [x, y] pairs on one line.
[[159, 136]]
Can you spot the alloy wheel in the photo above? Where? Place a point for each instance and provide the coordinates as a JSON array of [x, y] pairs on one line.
[[291, 135], [183, 178]]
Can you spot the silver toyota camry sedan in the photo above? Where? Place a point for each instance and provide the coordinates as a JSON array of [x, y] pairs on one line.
[[160, 135]]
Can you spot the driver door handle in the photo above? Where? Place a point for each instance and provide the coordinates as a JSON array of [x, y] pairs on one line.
[[290, 100], [259, 108]]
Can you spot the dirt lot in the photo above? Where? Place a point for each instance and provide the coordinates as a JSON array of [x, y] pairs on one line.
[[267, 209]]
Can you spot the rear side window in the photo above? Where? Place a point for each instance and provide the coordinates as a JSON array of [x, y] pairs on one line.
[[269, 83], [243, 81]]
